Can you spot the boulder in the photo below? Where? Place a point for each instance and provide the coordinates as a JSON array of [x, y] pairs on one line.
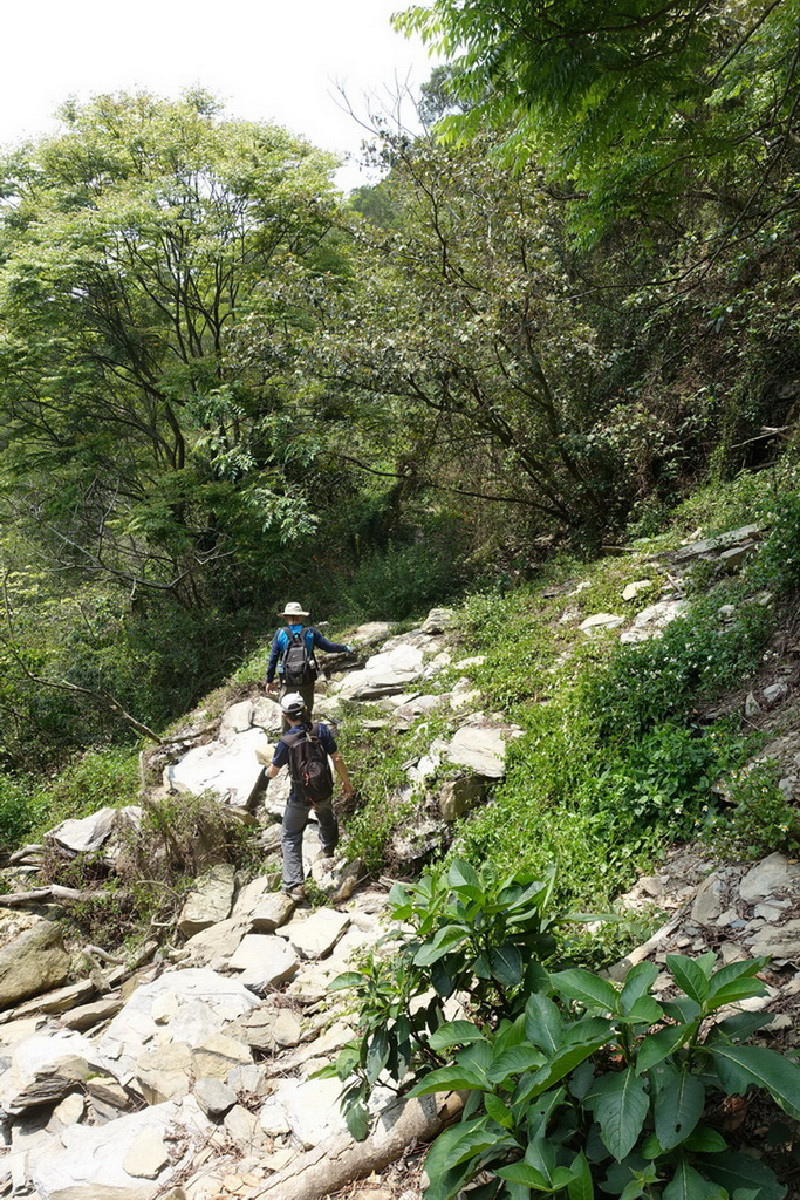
[[778, 941], [772, 874], [337, 879], [315, 936], [85, 1016], [229, 769], [213, 946], [265, 960], [480, 747], [261, 909], [202, 1004], [601, 621], [776, 692], [631, 591], [438, 620], [464, 695], [214, 1097], [651, 621], [372, 633], [458, 796], [33, 962], [209, 900], [384, 674], [89, 1162]]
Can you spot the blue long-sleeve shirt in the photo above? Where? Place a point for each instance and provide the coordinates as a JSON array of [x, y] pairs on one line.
[[313, 639]]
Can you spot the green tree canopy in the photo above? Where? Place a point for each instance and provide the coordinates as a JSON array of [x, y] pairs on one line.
[[134, 246], [630, 100]]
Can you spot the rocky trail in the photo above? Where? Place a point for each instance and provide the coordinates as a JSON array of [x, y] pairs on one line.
[[187, 1072]]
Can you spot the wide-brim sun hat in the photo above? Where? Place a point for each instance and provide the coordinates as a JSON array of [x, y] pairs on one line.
[[293, 704], [293, 609]]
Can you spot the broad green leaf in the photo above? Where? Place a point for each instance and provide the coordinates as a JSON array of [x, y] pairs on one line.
[[587, 988], [704, 1140], [580, 1186], [481, 966], [689, 976], [543, 1023], [458, 1144], [539, 1113], [644, 1011], [498, 1111], [678, 1105], [525, 1175], [441, 978], [515, 1061], [656, 1046], [377, 1054], [454, 1033], [510, 1033], [620, 1106], [736, 1172], [478, 1055], [442, 944], [688, 1184], [561, 1064], [737, 972], [737, 989], [541, 1154], [461, 873], [449, 1079], [349, 979], [536, 979], [505, 964], [682, 1009], [739, 1027], [358, 1120], [779, 1076], [637, 983]]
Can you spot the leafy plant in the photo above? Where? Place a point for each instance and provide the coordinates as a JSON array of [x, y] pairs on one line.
[[600, 1087], [481, 933], [758, 818]]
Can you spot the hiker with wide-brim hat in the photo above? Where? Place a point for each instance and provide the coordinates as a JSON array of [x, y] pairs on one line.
[[293, 657]]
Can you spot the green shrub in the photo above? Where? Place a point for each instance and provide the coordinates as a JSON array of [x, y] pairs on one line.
[[96, 779], [759, 820], [778, 564], [661, 680], [17, 816], [597, 1086]]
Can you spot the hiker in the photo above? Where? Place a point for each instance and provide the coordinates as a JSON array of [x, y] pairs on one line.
[[305, 748], [292, 653]]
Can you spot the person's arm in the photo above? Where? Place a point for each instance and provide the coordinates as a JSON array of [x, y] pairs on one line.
[[272, 771], [322, 643], [341, 770]]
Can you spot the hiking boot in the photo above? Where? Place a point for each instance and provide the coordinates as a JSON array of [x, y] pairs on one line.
[[295, 891]]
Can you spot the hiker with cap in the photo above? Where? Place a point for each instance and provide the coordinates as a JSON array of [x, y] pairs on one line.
[[305, 748], [292, 654]]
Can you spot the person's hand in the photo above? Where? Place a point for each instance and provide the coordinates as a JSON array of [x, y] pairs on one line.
[[272, 688], [348, 791]]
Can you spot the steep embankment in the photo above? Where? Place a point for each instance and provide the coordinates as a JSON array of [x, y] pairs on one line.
[[186, 1067]]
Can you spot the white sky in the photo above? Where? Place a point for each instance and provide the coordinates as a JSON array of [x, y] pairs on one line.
[[274, 61]]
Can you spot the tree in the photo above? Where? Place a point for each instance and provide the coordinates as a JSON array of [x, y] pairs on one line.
[[462, 361], [134, 246], [631, 102]]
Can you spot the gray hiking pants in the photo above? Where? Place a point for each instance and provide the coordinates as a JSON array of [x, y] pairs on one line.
[[295, 819]]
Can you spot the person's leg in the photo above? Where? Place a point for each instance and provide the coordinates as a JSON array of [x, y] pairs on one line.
[[328, 826], [307, 692], [295, 819]]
